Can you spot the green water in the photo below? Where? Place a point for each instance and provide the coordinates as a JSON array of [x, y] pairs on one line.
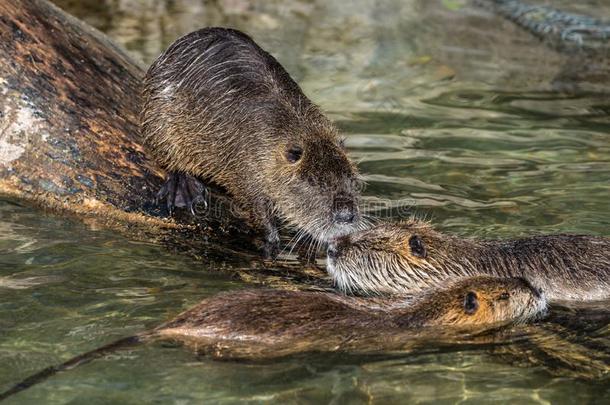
[[451, 113]]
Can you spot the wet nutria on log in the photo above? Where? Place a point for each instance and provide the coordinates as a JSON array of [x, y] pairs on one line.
[[273, 323], [407, 257], [219, 108]]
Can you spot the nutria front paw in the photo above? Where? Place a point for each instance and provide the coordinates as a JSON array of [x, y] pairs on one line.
[[271, 249], [182, 191]]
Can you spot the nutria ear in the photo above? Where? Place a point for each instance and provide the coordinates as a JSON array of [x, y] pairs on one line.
[[471, 303], [417, 246]]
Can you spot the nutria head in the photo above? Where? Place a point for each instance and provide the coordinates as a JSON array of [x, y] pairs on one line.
[[478, 301], [311, 180], [404, 257]]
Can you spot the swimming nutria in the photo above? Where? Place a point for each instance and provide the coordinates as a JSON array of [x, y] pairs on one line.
[[219, 108], [272, 323], [410, 256]]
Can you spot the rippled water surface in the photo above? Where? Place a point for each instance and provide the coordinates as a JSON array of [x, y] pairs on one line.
[[451, 113]]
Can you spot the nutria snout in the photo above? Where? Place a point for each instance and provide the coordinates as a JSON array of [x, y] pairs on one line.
[[219, 109], [407, 257]]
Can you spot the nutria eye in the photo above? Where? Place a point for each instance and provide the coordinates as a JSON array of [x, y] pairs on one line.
[[471, 303], [294, 153], [504, 296], [417, 246]]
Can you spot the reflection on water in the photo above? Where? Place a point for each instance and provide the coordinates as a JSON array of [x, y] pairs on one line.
[[450, 111], [366, 50]]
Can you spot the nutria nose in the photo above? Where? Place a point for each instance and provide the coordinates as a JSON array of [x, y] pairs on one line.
[[344, 210], [345, 217], [332, 251]]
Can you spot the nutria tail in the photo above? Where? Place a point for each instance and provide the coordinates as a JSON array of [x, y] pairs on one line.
[[70, 364]]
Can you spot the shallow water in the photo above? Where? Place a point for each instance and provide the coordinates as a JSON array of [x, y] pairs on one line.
[[452, 114]]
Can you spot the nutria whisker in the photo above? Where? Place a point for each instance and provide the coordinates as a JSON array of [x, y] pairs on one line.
[[294, 242], [366, 221], [314, 247]]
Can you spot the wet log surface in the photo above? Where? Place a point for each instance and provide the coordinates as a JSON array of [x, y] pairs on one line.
[[69, 141]]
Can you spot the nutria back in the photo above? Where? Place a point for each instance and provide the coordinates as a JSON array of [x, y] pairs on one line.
[[407, 257], [220, 108]]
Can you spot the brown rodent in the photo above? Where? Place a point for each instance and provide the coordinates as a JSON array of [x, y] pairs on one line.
[[409, 256], [270, 323], [217, 108], [276, 315]]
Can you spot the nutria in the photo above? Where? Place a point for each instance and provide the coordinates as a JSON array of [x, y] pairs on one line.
[[277, 323], [409, 256], [218, 108]]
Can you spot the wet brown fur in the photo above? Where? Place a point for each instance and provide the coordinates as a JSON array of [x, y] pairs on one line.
[[288, 317], [381, 261], [220, 108]]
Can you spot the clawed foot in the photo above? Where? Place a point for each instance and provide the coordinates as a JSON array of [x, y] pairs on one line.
[[271, 249], [182, 191]]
